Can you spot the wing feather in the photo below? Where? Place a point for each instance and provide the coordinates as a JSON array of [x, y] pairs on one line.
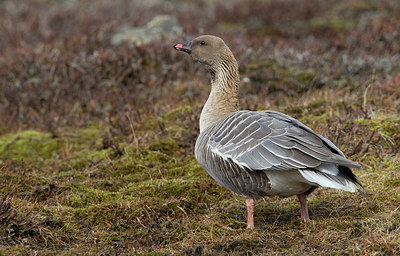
[[270, 140]]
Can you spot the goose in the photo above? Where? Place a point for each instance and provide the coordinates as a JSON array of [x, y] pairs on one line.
[[260, 153]]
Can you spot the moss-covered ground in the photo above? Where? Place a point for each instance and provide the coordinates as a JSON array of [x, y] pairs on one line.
[[96, 141]]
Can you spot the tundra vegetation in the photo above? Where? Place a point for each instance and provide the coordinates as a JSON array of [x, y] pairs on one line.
[[96, 140]]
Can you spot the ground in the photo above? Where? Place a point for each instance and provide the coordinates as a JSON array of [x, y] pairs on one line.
[[96, 140]]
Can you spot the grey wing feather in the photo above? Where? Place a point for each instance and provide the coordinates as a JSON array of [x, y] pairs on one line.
[[302, 126], [270, 140]]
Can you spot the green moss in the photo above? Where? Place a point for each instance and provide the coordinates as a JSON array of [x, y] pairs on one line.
[[323, 118], [150, 123], [167, 146], [28, 145], [174, 121], [188, 167], [127, 165], [11, 178], [153, 157], [173, 114], [395, 223], [335, 23], [359, 228], [106, 213], [160, 176], [87, 195], [297, 78], [362, 5], [83, 147], [146, 165], [159, 188], [82, 159], [89, 136], [317, 108], [267, 31], [304, 76], [260, 64], [393, 182], [286, 77], [387, 125]]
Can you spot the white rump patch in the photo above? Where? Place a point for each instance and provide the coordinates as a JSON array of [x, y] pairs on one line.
[[329, 180]]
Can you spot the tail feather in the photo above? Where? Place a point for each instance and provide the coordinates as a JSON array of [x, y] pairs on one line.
[[332, 176]]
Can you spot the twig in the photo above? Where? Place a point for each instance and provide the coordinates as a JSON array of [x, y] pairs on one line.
[[366, 93], [133, 133]]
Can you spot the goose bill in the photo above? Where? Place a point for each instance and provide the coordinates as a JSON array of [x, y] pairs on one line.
[[185, 47]]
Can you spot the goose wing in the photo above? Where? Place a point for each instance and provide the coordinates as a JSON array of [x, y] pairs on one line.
[[269, 140]]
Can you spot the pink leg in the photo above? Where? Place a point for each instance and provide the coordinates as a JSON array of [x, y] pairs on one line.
[[250, 212], [303, 206]]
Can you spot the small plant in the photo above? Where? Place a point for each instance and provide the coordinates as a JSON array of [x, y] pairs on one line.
[[7, 213]]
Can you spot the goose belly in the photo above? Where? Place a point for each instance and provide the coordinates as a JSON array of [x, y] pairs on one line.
[[253, 183], [287, 183]]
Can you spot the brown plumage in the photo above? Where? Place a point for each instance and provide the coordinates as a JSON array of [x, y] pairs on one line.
[[260, 153]]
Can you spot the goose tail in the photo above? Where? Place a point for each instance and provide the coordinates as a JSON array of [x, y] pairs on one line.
[[333, 176]]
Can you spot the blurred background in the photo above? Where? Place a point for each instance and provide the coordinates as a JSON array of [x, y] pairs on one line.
[[99, 116], [72, 62]]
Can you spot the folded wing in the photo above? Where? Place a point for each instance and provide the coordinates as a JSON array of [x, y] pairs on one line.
[[269, 140]]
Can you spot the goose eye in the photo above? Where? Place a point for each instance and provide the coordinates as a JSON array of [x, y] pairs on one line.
[[202, 43]]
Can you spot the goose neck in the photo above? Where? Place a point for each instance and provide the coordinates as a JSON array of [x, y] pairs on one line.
[[223, 98]]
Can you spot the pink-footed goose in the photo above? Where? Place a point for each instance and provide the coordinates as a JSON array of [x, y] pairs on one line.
[[260, 153]]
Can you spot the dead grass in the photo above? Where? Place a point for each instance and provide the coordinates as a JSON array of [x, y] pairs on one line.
[[96, 141]]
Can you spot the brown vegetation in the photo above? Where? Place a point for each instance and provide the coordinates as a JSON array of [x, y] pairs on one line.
[[96, 141]]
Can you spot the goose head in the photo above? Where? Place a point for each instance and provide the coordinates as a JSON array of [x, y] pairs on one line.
[[209, 50]]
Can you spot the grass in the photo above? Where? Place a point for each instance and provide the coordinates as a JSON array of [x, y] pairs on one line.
[[96, 141]]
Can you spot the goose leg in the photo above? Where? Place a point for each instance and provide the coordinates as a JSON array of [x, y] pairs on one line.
[[250, 212], [303, 206]]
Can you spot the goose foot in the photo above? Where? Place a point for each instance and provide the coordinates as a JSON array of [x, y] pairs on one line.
[[303, 207], [250, 212]]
